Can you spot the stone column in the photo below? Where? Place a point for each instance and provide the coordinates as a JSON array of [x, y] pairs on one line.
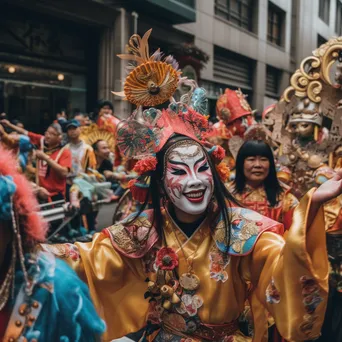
[[259, 83], [112, 71]]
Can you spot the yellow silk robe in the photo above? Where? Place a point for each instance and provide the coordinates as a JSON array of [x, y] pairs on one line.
[[289, 280]]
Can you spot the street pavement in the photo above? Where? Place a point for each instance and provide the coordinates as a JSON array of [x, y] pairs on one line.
[[105, 215]]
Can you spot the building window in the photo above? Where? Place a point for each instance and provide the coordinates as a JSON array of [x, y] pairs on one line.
[[276, 21], [239, 12], [233, 69], [320, 40], [324, 9], [273, 77], [338, 26]]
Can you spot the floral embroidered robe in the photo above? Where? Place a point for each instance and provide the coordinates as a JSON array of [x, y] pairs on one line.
[[256, 199], [289, 280]]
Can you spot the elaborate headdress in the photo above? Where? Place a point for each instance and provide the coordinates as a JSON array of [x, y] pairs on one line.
[[232, 105], [153, 81]]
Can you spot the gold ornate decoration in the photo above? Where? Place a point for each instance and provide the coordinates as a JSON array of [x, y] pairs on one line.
[[311, 124], [151, 84], [328, 54], [243, 100], [91, 134], [307, 80], [151, 81]]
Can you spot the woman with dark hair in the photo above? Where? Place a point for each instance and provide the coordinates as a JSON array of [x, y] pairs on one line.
[[182, 270], [256, 185]]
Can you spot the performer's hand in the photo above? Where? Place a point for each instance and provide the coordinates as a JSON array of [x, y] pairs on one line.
[[43, 193], [5, 122], [328, 190], [2, 130], [41, 155]]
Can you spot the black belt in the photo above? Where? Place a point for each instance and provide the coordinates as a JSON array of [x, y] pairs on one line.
[[334, 245]]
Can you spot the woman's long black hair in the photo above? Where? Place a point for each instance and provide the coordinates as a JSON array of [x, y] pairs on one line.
[[254, 148], [221, 194]]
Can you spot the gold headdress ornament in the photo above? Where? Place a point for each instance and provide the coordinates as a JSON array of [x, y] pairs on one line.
[[153, 80], [91, 134], [312, 88], [307, 80]]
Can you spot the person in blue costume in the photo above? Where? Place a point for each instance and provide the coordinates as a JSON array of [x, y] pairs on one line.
[[41, 298]]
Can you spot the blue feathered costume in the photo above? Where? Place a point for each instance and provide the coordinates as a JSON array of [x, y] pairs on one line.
[[41, 297]]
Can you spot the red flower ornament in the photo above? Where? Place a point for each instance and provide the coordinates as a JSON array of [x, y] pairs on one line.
[[218, 154], [166, 259], [145, 165]]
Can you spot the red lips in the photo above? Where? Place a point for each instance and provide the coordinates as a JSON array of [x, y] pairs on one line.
[[195, 196]]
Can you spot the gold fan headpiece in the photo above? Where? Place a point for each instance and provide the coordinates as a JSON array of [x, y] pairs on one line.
[[152, 81]]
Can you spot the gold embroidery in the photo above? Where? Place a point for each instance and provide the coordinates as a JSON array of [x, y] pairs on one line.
[[122, 239], [131, 242], [60, 250]]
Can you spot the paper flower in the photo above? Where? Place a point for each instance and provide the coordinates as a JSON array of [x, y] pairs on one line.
[[218, 154], [145, 165], [223, 171], [166, 259]]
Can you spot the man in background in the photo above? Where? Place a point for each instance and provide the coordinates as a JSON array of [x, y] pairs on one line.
[[54, 160], [103, 164]]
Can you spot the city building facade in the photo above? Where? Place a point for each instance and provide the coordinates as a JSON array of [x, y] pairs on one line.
[[62, 54]]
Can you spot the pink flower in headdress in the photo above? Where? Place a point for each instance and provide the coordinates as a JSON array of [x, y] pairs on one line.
[[218, 154], [145, 165]]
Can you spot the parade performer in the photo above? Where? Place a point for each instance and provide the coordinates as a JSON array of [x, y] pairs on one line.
[[256, 184], [41, 298], [257, 187], [235, 116], [186, 267], [311, 136]]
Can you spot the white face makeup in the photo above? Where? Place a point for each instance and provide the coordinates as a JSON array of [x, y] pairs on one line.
[[188, 180]]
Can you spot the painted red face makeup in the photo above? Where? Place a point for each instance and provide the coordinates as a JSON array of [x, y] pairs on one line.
[[188, 180]]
